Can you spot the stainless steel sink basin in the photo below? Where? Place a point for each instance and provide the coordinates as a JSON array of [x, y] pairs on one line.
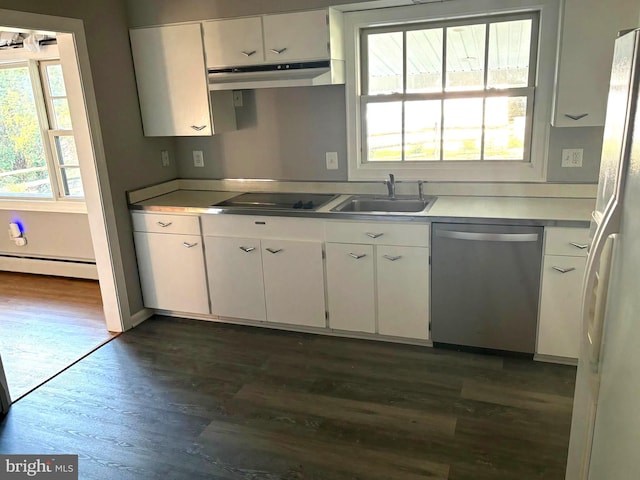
[[364, 204]]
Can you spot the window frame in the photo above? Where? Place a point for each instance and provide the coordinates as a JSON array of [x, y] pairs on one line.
[[438, 14], [43, 101]]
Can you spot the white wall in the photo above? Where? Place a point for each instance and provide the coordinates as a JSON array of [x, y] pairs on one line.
[[49, 235]]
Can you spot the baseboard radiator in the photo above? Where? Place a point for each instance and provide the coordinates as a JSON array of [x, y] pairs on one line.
[[49, 266]]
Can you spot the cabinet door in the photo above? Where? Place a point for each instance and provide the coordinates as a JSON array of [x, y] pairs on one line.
[[172, 272], [294, 282], [296, 36], [172, 80], [232, 43], [585, 56], [560, 303], [403, 291], [350, 287], [235, 277]]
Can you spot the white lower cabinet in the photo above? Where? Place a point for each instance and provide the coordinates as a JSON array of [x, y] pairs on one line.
[[265, 279], [172, 273], [236, 287], [559, 321], [378, 287], [294, 282], [403, 291], [351, 287]]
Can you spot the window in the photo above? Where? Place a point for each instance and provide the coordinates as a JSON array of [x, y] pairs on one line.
[[461, 99], [38, 157]]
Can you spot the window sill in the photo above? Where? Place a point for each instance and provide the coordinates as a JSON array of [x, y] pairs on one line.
[[43, 206]]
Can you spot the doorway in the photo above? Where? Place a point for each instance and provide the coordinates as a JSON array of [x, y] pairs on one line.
[[83, 111]]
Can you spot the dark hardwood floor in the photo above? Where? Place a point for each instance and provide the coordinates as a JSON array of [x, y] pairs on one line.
[[182, 399], [46, 323]]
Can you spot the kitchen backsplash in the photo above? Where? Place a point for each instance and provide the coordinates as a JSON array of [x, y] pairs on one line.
[[283, 133]]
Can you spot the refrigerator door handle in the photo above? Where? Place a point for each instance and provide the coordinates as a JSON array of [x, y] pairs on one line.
[[598, 302]]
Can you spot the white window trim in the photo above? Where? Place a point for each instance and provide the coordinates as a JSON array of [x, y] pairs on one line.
[[534, 171]]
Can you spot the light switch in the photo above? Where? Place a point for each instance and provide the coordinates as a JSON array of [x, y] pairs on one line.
[[572, 157], [164, 154]]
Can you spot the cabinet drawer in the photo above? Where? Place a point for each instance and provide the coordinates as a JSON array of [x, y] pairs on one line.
[[378, 233], [262, 227], [162, 223], [566, 241]]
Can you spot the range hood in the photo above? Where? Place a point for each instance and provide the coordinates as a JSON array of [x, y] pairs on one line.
[[327, 72]]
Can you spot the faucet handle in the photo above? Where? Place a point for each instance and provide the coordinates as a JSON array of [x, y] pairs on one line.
[[421, 190]]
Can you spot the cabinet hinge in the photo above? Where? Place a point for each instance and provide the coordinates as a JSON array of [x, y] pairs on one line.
[[429, 259], [326, 17], [326, 315], [429, 325], [324, 255]]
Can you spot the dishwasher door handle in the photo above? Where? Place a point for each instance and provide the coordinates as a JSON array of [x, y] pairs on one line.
[[488, 237]]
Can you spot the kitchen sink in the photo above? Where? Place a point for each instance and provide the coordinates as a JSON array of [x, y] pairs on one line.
[[278, 201], [364, 204]]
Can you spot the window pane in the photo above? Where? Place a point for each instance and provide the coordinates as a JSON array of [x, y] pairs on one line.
[[71, 182], [462, 129], [465, 57], [61, 114], [56, 81], [384, 131], [385, 63], [509, 49], [505, 120], [23, 166], [66, 148], [422, 130], [424, 60]]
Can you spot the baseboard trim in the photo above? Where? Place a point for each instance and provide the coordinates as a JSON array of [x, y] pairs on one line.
[[140, 316], [49, 267]]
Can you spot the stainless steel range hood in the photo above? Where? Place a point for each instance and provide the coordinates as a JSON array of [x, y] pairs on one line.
[[328, 72]]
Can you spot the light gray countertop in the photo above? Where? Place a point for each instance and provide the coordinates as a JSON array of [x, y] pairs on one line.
[[574, 212]]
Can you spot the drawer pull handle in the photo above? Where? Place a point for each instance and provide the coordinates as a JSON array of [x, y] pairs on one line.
[[198, 128], [564, 270], [392, 258], [248, 54], [189, 245], [278, 51], [274, 250], [577, 116], [581, 246], [247, 249], [357, 256], [374, 235], [164, 224]]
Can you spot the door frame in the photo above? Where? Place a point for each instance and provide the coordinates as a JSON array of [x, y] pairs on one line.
[[74, 56]]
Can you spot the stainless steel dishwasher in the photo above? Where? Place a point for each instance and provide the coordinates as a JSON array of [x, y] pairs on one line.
[[485, 285]]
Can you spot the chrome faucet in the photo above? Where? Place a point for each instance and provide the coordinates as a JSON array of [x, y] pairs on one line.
[[420, 190], [391, 185]]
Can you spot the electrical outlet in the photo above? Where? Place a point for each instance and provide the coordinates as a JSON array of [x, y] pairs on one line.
[[237, 98], [198, 158], [164, 154], [572, 157], [332, 160]]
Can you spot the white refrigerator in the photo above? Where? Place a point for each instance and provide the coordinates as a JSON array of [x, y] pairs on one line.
[[605, 430]]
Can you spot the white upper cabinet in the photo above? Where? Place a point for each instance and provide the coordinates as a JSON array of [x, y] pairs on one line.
[[314, 35], [172, 83], [302, 36], [588, 31], [233, 43]]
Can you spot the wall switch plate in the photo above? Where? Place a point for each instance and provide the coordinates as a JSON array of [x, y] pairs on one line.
[[332, 160], [198, 158], [164, 154], [237, 98], [572, 157]]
